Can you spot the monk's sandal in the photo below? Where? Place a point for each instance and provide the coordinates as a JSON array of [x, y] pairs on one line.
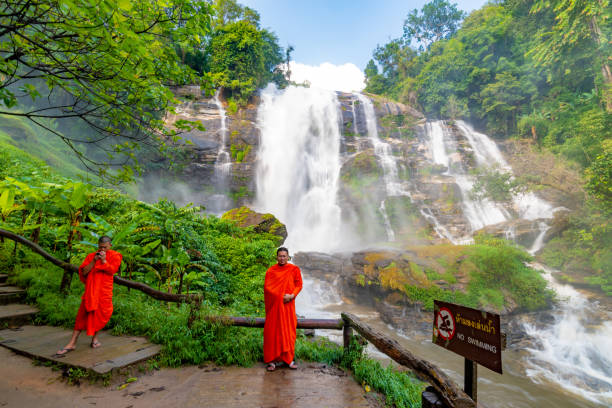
[[271, 367]]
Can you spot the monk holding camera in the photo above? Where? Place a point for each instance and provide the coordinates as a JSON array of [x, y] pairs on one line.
[[96, 272]]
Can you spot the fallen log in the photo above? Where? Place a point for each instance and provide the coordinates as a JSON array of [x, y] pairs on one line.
[[333, 324], [156, 294], [453, 396]]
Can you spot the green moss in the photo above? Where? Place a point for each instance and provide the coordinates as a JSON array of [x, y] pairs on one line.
[[232, 107], [239, 152]]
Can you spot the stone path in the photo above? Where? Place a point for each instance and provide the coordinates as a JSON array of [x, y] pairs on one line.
[[42, 342]]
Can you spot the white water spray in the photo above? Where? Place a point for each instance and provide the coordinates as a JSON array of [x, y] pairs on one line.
[[223, 164], [528, 205], [299, 165], [575, 351]]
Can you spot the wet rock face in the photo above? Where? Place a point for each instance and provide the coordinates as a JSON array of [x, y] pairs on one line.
[[523, 232], [263, 223], [241, 142]]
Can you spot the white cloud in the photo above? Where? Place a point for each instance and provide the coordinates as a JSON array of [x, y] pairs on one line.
[[345, 78]]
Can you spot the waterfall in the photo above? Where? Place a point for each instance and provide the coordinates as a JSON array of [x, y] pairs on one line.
[[355, 130], [223, 164], [479, 213], [387, 161], [382, 150], [298, 164], [388, 228], [539, 241], [528, 205], [574, 351]]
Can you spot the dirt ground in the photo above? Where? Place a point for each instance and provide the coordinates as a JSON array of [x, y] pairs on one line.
[[23, 384]]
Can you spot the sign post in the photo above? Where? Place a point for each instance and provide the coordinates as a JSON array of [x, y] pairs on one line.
[[473, 334]]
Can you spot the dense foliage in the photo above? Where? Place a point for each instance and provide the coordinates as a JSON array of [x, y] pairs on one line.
[[531, 69], [97, 75], [100, 67]]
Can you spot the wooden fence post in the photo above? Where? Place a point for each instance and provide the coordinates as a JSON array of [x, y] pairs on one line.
[[347, 333], [470, 382]]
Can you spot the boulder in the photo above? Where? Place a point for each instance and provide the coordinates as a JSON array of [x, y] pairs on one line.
[[523, 232], [245, 217], [559, 224]]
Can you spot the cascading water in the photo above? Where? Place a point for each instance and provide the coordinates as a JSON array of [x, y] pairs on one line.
[[387, 161], [355, 130], [299, 165], [479, 213], [528, 205], [223, 164], [575, 351]]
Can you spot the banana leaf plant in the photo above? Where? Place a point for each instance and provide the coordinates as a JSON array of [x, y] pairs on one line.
[[8, 205], [70, 202], [136, 253]]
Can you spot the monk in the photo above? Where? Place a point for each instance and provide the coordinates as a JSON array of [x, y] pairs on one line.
[[283, 283], [96, 309]]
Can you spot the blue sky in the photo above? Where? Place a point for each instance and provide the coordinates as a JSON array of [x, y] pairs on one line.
[[338, 31]]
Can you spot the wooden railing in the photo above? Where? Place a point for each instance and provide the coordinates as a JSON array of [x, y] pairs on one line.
[[154, 293]]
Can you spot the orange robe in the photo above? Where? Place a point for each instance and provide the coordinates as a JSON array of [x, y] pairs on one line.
[[97, 301], [281, 322]]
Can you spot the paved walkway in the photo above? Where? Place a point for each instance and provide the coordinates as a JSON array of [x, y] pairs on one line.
[[312, 385]]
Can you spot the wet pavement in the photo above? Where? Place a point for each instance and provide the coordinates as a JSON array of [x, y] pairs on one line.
[[23, 384]]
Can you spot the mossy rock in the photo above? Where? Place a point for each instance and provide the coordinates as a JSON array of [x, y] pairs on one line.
[[268, 223]]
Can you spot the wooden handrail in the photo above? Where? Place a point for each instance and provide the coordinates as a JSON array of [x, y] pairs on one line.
[[154, 293], [453, 396], [332, 324]]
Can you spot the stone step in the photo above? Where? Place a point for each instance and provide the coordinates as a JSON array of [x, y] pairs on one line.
[[10, 294], [16, 314], [115, 353], [3, 277]]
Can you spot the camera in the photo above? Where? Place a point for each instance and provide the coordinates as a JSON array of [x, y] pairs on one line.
[[98, 253]]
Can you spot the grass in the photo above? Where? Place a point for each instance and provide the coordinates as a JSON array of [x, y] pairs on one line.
[[41, 145]]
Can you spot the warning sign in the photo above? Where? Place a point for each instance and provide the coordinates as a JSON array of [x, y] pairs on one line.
[[445, 324], [473, 334]]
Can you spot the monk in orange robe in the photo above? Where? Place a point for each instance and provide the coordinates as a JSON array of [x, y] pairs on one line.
[[283, 283], [96, 272]]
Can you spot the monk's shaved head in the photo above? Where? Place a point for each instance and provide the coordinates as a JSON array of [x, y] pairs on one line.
[[282, 249], [104, 240]]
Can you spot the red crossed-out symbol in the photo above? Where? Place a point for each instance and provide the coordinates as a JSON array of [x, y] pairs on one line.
[[445, 323]]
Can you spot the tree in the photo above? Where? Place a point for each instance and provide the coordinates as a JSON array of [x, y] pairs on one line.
[[580, 27], [437, 20], [230, 11], [105, 64]]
